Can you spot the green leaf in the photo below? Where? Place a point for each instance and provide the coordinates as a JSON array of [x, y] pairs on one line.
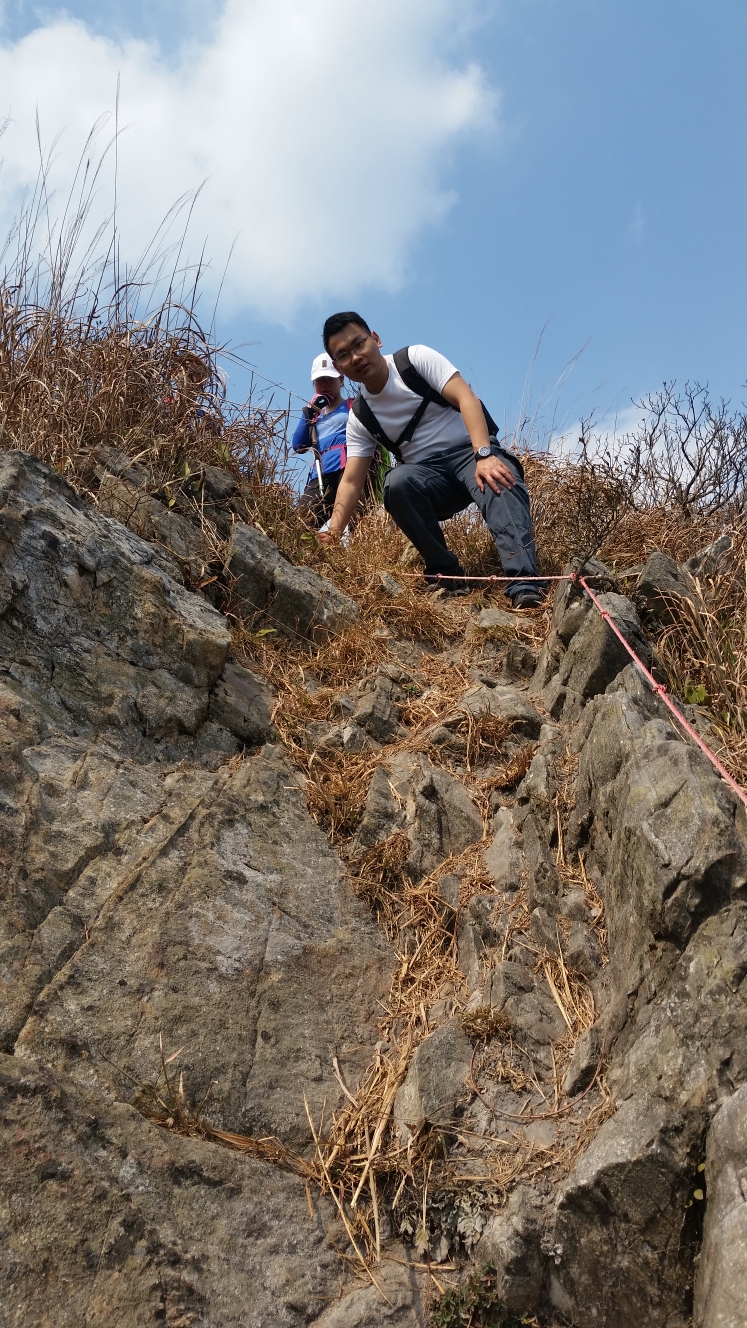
[[698, 1194], [695, 695]]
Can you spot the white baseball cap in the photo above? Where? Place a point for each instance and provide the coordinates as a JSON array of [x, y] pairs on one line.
[[323, 368]]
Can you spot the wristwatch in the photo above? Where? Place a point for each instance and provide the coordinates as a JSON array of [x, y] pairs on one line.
[[482, 453]]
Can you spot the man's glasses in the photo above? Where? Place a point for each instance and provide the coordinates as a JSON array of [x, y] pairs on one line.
[[345, 356]]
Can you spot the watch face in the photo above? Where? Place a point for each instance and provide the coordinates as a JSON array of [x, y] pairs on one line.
[[483, 452]]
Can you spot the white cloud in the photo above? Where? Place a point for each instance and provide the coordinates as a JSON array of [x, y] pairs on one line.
[[324, 128]]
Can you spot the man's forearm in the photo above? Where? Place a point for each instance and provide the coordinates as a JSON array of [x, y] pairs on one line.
[[348, 494], [460, 394], [474, 421]]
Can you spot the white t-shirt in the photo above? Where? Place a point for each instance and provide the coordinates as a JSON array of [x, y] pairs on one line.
[[440, 427]]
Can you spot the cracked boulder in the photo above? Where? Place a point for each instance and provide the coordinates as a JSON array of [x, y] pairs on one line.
[[435, 1081], [295, 600], [663, 584], [162, 883], [109, 1219], [433, 808], [721, 1286]]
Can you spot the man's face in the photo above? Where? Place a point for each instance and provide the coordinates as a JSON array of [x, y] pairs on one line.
[[355, 352]]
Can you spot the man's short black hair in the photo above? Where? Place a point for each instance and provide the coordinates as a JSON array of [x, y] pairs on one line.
[[336, 322]]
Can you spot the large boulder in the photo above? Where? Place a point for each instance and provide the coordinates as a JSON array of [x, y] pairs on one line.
[[435, 1080], [721, 1286], [663, 584], [162, 885], [295, 600], [109, 1219], [433, 808], [664, 841]]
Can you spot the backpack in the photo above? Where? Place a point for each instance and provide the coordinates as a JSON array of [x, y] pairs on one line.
[[416, 383]]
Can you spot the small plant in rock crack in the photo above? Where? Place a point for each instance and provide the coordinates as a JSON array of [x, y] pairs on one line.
[[474, 1304], [453, 1221], [165, 1102]]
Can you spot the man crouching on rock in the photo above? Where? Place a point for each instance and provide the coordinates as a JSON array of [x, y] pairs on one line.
[[417, 405]]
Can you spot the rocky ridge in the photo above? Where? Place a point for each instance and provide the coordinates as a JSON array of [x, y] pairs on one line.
[[579, 1062]]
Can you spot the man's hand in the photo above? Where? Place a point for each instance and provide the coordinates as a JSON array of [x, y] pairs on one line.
[[326, 537], [495, 473]]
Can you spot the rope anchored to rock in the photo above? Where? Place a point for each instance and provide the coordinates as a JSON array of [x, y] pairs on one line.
[[655, 686]]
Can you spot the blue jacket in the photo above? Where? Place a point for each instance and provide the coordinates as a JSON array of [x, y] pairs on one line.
[[330, 431]]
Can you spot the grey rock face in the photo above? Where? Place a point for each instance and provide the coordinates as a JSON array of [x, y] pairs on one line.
[[535, 1015], [519, 663], [504, 703], [219, 485], [512, 1243], [157, 883], [409, 793], [714, 557], [544, 883], [662, 584], [595, 657], [721, 1286], [666, 847], [617, 1214], [505, 980], [128, 502], [584, 1062], [389, 586], [377, 712], [141, 1226], [495, 621], [296, 600], [503, 857], [435, 1079], [363, 1307], [240, 702], [217, 938], [97, 633], [664, 833], [476, 934]]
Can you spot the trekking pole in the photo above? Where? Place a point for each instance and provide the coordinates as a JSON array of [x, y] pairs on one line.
[[317, 458]]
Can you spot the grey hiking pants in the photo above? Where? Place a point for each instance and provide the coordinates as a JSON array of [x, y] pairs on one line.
[[421, 495]]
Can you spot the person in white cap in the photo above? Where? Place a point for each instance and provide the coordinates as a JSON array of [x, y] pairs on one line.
[[323, 426]]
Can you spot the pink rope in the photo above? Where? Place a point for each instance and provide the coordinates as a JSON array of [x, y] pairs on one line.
[[441, 576], [653, 684], [662, 692]]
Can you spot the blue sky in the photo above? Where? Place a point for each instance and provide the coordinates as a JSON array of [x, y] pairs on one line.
[[583, 181]]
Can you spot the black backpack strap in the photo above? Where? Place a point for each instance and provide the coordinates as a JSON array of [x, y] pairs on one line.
[[363, 412], [417, 383], [415, 380]]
